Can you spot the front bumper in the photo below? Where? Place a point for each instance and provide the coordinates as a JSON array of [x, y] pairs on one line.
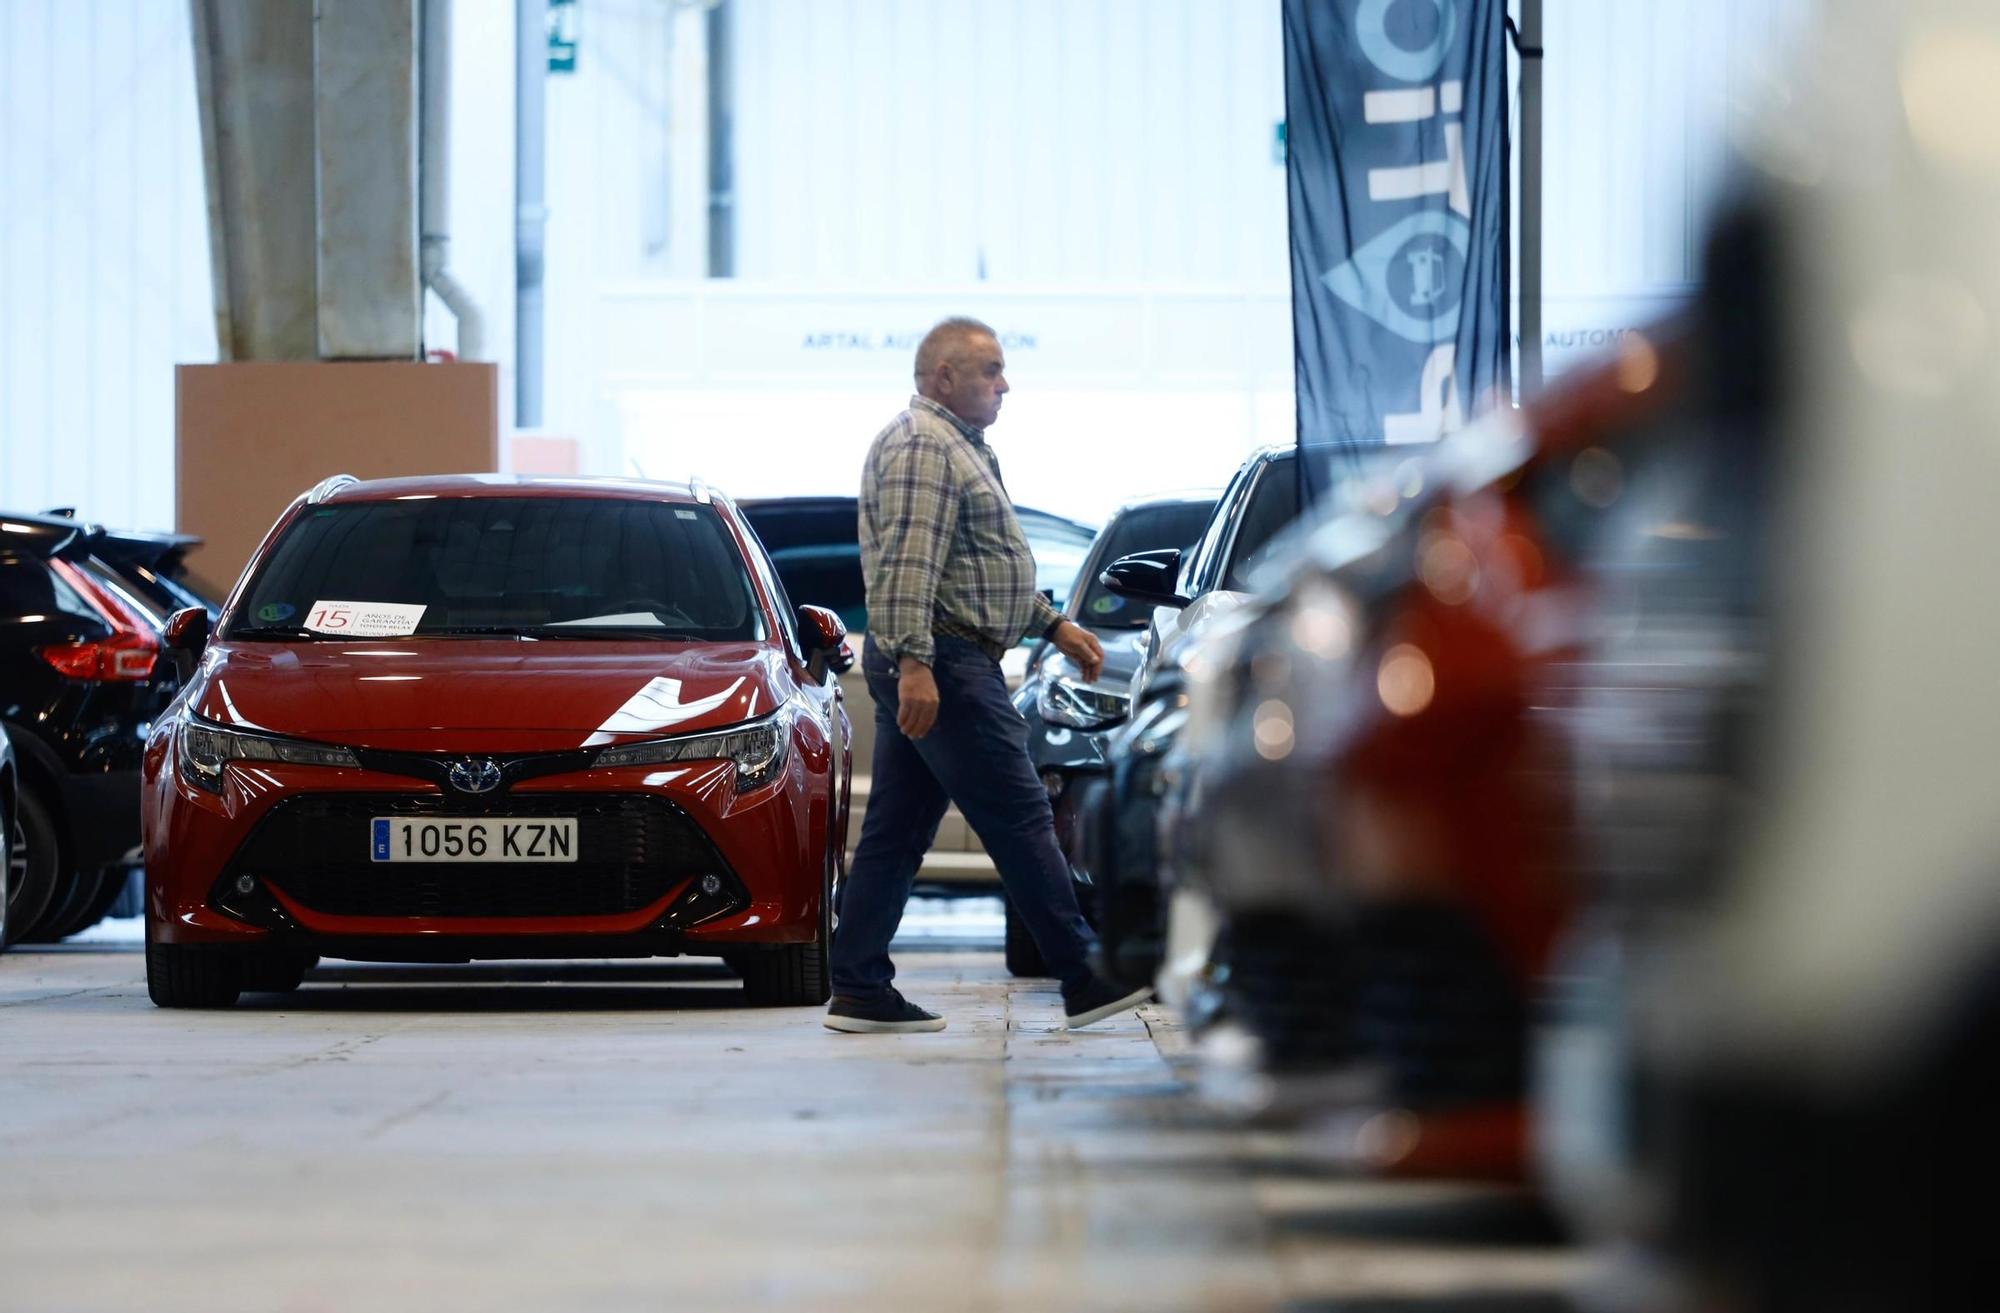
[[282, 854]]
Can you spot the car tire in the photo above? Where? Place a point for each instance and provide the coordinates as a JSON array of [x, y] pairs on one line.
[[185, 976], [276, 971], [37, 863], [110, 884], [10, 839], [1023, 957], [793, 975]]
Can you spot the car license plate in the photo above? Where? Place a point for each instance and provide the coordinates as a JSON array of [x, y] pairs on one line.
[[488, 839]]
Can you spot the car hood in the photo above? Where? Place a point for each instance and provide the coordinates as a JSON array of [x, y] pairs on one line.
[[486, 695], [1124, 649]]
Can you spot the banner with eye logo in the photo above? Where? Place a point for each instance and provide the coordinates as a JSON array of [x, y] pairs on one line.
[[1396, 155]]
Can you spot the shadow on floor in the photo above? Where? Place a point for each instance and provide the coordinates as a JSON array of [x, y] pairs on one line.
[[673, 985], [1500, 1301], [1475, 1218]]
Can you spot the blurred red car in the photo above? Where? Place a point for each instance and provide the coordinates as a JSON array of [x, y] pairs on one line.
[[1381, 830], [444, 719]]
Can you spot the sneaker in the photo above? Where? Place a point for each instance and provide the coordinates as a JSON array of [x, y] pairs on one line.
[[890, 1015], [1100, 999]]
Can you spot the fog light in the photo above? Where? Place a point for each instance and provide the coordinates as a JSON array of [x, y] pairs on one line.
[[1053, 782], [711, 884], [246, 884]]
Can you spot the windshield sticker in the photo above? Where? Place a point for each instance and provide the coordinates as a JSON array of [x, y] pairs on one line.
[[1106, 604], [364, 619], [272, 612], [687, 515], [655, 707]]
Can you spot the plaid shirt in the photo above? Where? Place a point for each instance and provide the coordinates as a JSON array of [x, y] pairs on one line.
[[941, 549]]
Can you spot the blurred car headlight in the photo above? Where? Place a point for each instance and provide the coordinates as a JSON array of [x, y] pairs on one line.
[[1158, 723], [206, 747], [1064, 701], [758, 749]]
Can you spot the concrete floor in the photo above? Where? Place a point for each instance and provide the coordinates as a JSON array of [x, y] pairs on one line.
[[617, 1136]]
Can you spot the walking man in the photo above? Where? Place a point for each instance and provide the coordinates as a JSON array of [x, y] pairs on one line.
[[951, 586]]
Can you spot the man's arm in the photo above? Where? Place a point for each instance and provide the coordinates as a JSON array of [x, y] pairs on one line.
[[1070, 638], [1044, 619], [916, 512]]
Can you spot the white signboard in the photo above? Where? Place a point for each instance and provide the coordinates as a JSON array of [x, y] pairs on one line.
[[364, 619]]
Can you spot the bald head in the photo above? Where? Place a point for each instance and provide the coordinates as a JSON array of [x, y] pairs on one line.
[[945, 342], [960, 366]]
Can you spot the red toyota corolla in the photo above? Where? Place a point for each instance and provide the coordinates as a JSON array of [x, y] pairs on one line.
[[452, 718]]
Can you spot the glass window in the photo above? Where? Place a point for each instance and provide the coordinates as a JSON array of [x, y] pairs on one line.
[[760, 561], [1200, 567], [29, 587], [1274, 503], [557, 567], [813, 545], [1142, 529], [1058, 546]]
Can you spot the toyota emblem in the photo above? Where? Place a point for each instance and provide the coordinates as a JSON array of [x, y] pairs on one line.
[[474, 775]]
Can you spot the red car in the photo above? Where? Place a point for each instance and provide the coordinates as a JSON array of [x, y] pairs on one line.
[[452, 718]]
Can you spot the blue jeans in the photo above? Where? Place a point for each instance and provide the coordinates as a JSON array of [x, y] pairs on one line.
[[976, 755]]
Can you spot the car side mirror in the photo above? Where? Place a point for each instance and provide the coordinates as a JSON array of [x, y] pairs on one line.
[[1146, 577], [185, 636], [825, 640]]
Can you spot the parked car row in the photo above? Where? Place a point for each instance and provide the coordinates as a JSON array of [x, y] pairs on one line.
[[81, 683], [1601, 797]]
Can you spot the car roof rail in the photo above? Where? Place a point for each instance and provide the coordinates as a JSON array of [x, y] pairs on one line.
[[699, 487], [328, 486]]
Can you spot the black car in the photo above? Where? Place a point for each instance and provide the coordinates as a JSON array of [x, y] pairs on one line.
[[815, 544], [1132, 813], [81, 682], [10, 836], [1068, 719], [1185, 593]]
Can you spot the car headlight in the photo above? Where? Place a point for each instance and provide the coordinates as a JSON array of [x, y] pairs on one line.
[[1064, 701], [206, 747], [1156, 727], [757, 748]]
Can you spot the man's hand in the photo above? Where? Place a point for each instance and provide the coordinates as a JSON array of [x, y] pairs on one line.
[[1080, 646], [916, 699]]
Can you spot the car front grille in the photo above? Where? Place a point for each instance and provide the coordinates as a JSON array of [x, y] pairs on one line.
[[632, 850]]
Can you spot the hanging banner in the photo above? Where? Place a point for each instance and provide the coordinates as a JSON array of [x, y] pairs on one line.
[[1396, 150]]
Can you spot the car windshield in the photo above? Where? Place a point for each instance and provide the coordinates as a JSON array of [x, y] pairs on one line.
[[1059, 547], [550, 567], [1141, 529], [813, 545]]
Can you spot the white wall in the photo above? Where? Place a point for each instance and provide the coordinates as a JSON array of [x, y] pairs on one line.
[[1037, 158], [1092, 141], [1643, 98], [104, 273], [1114, 154], [481, 255], [1097, 178]]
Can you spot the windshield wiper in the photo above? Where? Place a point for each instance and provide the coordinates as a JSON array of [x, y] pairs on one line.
[[293, 632], [612, 632]]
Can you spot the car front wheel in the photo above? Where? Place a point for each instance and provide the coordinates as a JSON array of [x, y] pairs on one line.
[[186, 976], [1023, 957], [793, 975]]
